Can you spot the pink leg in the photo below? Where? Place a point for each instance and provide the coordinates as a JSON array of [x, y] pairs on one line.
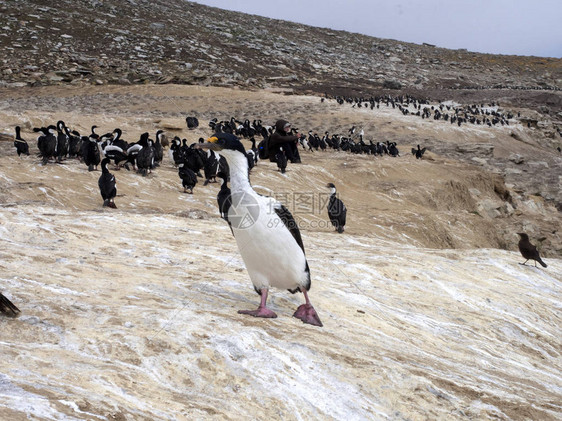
[[306, 312], [262, 310]]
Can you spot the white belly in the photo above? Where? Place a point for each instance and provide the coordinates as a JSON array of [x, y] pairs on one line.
[[271, 254]]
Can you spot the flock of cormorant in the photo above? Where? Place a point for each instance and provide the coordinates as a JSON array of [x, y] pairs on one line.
[[478, 114], [57, 143], [223, 155]]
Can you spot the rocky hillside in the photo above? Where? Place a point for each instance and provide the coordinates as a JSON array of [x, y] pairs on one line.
[[176, 41]]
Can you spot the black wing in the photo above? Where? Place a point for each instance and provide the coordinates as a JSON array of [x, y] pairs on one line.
[[7, 307], [288, 220], [224, 200]]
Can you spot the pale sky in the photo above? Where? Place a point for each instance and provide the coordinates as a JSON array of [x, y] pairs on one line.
[[514, 27]]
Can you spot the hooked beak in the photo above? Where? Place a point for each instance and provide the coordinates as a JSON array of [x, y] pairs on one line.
[[211, 144]]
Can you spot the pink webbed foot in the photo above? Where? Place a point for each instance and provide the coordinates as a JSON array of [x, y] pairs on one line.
[[260, 312], [307, 314]]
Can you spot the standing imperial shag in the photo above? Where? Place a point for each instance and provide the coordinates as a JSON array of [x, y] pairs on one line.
[[267, 235], [107, 185], [337, 212]]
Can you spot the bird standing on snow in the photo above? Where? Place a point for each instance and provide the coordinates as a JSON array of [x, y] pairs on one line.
[[91, 152], [418, 152], [158, 148], [267, 235], [62, 141], [281, 159], [192, 122], [145, 156], [188, 177], [107, 185], [46, 143], [337, 211], [528, 250], [21, 145], [7, 307]]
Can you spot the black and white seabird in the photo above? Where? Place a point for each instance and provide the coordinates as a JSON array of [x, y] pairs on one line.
[[267, 235], [158, 148], [337, 211], [211, 167], [90, 151], [418, 153], [188, 177], [192, 122], [62, 141], [7, 307], [281, 159], [21, 145], [47, 143], [107, 185], [145, 156], [116, 148], [74, 144]]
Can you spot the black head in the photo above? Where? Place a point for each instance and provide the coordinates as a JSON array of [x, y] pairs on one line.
[[224, 141], [330, 186], [523, 235]]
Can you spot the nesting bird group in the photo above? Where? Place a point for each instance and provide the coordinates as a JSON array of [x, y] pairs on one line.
[[57, 143], [352, 142], [477, 114]]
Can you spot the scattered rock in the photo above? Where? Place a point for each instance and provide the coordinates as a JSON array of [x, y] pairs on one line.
[[516, 159], [476, 149]]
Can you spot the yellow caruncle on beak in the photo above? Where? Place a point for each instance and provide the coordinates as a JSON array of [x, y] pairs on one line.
[[213, 139]]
